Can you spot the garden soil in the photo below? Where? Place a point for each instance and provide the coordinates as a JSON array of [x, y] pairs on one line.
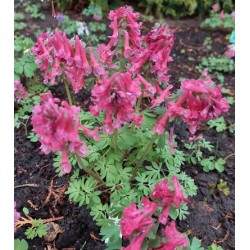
[[212, 214]]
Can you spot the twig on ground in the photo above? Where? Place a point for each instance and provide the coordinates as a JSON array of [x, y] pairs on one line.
[[27, 185]]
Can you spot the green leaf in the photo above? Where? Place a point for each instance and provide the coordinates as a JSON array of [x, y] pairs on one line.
[[18, 68], [29, 69], [196, 244], [20, 244], [219, 164], [208, 164], [219, 124], [26, 210], [154, 243]]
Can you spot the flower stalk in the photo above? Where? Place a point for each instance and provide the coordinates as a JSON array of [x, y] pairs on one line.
[[116, 140], [140, 161], [67, 91], [89, 171]]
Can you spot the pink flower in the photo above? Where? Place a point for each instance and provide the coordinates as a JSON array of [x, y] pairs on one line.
[[233, 15], [117, 96], [19, 91], [215, 7], [135, 220], [174, 238], [204, 72], [96, 17], [98, 70], [57, 127], [163, 96], [137, 241], [222, 15], [198, 102], [17, 216], [230, 53], [166, 197], [178, 194], [162, 192], [160, 125], [148, 89]]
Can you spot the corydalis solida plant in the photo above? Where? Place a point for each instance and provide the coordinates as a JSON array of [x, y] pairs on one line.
[[131, 66]]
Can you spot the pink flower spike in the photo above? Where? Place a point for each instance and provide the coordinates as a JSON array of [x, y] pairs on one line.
[[57, 127], [215, 7], [178, 197], [19, 91], [222, 15]]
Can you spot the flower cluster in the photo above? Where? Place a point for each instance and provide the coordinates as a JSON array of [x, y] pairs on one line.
[[138, 222], [19, 91], [222, 16], [17, 216], [56, 55], [159, 43], [199, 101], [153, 49], [58, 127], [125, 29], [116, 96]]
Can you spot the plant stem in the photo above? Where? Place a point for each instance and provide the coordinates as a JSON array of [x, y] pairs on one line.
[[137, 108], [67, 91], [140, 161], [89, 171], [116, 140], [138, 104]]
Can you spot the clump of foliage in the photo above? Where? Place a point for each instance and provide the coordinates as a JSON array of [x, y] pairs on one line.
[[219, 20], [217, 63], [180, 8]]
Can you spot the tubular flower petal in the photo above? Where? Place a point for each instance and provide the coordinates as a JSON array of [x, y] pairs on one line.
[[174, 238]]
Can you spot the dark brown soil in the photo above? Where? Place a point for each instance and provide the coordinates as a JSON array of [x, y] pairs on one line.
[[212, 213]]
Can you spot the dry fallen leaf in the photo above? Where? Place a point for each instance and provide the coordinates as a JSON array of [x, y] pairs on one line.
[[53, 230]]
